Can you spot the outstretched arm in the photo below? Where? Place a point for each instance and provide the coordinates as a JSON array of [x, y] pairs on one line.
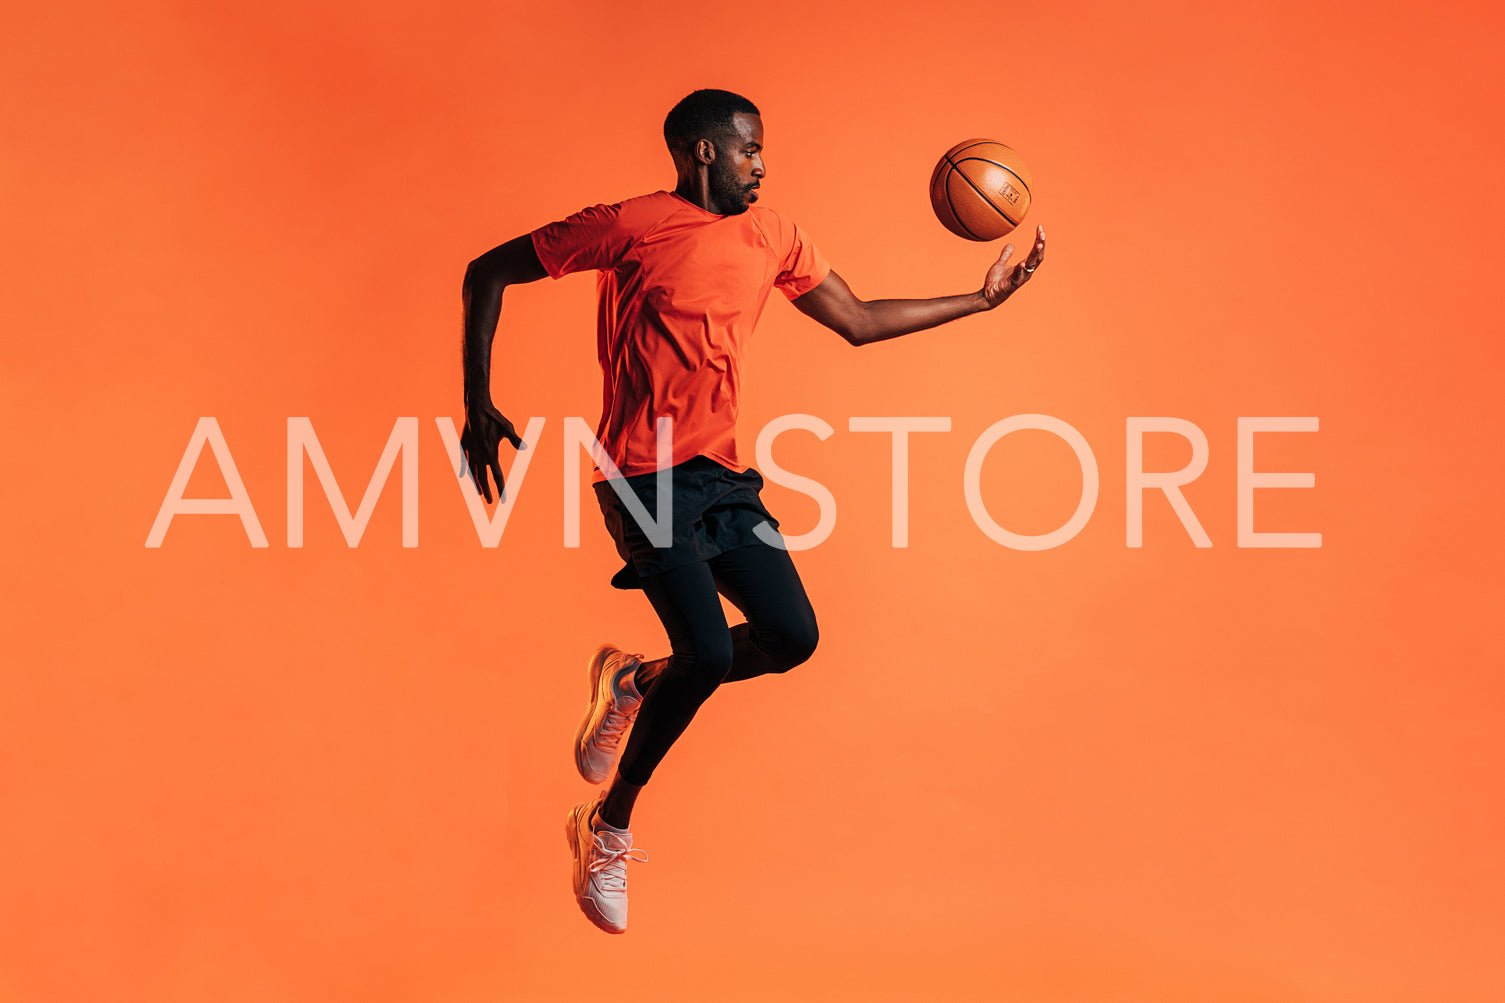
[[485, 427], [861, 322]]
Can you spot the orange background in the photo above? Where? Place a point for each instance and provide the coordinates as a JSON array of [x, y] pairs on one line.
[[1088, 774]]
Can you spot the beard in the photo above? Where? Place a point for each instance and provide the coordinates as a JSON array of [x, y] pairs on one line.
[[729, 192]]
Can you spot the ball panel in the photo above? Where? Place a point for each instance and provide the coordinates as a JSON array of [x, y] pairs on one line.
[[1000, 183], [944, 213], [941, 203], [977, 215], [986, 149], [963, 229], [999, 186]]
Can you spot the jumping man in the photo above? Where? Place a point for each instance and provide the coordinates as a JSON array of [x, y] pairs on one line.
[[683, 278]]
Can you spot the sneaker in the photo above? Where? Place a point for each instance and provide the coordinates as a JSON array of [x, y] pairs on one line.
[[600, 875], [613, 705]]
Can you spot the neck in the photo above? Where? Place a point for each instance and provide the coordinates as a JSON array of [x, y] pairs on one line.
[[696, 188]]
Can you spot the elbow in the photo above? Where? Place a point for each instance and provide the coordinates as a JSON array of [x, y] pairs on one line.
[[511, 263], [480, 268], [851, 321], [480, 273], [856, 329]]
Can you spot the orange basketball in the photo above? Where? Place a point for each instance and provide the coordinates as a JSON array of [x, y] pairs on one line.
[[980, 190]]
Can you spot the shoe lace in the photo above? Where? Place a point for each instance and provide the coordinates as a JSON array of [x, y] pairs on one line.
[[613, 725], [610, 862]]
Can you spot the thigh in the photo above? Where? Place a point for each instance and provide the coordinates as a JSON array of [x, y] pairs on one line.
[[761, 582], [687, 604]]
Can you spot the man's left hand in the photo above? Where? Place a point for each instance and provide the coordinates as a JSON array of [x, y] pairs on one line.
[[1003, 280]]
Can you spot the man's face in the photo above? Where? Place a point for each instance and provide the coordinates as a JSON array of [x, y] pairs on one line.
[[738, 167]]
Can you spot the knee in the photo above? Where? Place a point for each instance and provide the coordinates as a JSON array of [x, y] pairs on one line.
[[796, 640], [704, 665]]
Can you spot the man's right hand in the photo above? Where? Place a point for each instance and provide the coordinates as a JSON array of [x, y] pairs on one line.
[[485, 428]]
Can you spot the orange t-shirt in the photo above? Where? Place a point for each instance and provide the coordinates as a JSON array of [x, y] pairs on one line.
[[679, 291]]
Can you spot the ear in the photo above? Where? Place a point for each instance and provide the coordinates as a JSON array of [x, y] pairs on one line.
[[705, 151]]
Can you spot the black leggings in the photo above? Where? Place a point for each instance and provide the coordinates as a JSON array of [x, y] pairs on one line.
[[779, 634]]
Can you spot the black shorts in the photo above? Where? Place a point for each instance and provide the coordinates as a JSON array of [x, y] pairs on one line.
[[715, 510]]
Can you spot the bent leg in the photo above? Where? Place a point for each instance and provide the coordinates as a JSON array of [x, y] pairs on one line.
[[701, 649], [780, 631]]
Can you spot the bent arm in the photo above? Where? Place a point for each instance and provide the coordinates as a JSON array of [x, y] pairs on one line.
[[485, 427], [486, 277], [862, 322]]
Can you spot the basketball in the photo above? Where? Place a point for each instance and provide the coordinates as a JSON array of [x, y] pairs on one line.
[[980, 189]]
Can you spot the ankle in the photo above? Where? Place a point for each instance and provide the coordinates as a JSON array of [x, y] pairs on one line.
[[599, 821], [646, 673], [616, 805]]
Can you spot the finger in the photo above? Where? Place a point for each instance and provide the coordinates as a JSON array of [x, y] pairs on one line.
[[506, 430], [501, 486], [1008, 249], [478, 480], [496, 470]]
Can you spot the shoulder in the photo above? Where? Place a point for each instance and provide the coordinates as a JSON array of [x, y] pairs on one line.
[[643, 211], [770, 218], [783, 234], [627, 212], [801, 266], [598, 236], [780, 230]]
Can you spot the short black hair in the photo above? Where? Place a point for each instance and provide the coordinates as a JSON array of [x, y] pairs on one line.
[[705, 114]]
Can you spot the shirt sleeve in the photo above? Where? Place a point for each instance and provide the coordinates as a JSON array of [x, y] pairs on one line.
[[593, 238], [803, 268]]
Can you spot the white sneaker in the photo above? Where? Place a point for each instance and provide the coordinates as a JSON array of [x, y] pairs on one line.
[[600, 875], [614, 700]]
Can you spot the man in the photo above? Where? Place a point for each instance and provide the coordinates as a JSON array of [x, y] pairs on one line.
[[684, 276]]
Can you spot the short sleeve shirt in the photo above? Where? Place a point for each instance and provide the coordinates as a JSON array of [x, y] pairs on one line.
[[679, 291]]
